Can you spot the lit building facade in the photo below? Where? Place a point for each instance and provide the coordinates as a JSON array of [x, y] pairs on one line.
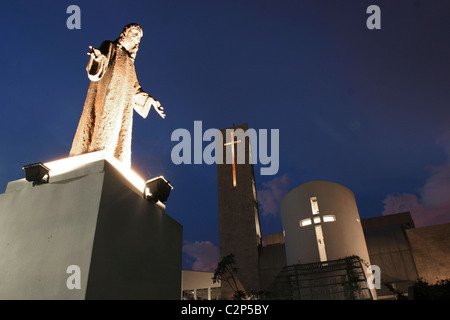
[[198, 285]]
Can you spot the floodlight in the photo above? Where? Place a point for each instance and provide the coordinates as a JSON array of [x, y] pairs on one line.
[[157, 189], [36, 172]]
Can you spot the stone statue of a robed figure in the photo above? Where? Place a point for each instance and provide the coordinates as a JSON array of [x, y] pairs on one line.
[[113, 94]]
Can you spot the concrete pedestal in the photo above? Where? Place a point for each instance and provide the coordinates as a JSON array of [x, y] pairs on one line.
[[93, 217]]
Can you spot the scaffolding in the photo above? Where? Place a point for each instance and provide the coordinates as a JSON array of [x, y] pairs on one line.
[[342, 279]]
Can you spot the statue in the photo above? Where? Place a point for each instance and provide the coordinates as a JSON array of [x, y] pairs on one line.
[[114, 92]]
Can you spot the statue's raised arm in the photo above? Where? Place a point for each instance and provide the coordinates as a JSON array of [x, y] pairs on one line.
[[98, 62]]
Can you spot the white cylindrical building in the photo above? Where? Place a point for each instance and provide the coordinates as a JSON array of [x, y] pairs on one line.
[[321, 222]]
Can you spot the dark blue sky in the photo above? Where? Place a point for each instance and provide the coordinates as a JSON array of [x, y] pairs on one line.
[[365, 108]]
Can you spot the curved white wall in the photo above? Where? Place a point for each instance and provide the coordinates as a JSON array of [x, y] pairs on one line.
[[342, 237]]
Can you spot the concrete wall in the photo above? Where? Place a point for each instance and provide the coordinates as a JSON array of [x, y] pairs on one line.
[[272, 259], [402, 219], [389, 249], [137, 248], [125, 246], [273, 238], [405, 253], [43, 230], [431, 251]]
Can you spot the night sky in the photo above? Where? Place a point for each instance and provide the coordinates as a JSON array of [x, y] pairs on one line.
[[368, 109]]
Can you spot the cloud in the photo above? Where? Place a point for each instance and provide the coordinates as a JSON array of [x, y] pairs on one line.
[[432, 205], [269, 198], [205, 254]]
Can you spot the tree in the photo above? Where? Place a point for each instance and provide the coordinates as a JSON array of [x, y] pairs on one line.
[[351, 286], [397, 294], [422, 290], [226, 271]]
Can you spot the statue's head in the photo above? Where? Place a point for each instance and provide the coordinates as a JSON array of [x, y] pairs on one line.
[[130, 38]]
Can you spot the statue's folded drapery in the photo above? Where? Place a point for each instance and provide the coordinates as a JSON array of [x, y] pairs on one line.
[[114, 92]]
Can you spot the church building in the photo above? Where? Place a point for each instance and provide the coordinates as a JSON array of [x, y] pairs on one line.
[[324, 246]]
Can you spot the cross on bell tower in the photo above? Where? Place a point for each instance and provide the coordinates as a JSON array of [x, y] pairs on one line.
[[233, 160], [317, 220]]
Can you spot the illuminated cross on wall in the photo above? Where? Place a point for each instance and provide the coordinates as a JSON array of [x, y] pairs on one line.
[[317, 220], [232, 143]]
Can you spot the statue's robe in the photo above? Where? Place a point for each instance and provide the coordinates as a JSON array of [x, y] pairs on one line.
[[114, 92]]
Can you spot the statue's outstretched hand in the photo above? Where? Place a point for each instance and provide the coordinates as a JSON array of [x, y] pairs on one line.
[[95, 53], [159, 109]]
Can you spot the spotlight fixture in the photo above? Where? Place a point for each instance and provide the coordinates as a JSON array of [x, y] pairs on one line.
[[36, 173], [157, 189]]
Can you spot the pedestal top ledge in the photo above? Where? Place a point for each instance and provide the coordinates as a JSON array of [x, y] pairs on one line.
[[78, 166]]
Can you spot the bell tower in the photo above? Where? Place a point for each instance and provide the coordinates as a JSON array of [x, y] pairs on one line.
[[239, 228]]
